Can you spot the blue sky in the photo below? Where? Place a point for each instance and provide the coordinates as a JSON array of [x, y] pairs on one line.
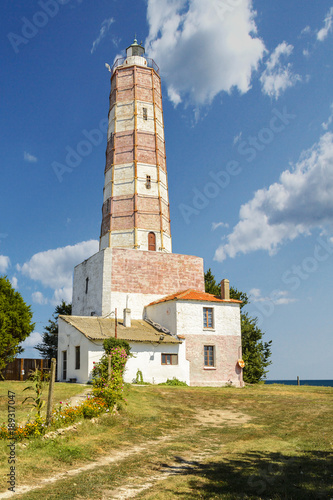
[[248, 111]]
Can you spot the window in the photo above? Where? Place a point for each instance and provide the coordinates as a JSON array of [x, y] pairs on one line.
[[169, 359], [148, 181], [209, 355], [64, 365], [152, 242], [77, 357], [145, 114], [208, 318], [87, 284]]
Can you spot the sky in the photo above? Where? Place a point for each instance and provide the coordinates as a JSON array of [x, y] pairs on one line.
[[248, 115]]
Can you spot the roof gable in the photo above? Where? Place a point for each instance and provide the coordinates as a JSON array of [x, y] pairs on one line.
[[191, 294]]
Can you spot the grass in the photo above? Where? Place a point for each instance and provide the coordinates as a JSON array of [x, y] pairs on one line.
[[281, 450], [62, 392]]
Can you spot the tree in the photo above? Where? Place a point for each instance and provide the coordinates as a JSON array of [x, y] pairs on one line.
[[256, 352], [49, 347], [15, 322]]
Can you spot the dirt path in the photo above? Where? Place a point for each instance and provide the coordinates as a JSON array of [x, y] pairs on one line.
[[180, 467], [117, 456], [130, 490], [79, 398]]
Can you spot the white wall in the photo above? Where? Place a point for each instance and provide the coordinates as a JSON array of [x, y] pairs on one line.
[[165, 314], [147, 358], [186, 318], [84, 303], [68, 339], [136, 303], [190, 318], [98, 269]]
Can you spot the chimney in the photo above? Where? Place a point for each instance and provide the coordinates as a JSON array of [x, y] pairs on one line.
[[225, 294], [127, 318]]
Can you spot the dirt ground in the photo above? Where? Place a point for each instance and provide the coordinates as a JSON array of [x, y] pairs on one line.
[[212, 417]]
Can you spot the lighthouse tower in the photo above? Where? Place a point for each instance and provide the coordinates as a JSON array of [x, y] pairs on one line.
[[135, 264], [135, 213]]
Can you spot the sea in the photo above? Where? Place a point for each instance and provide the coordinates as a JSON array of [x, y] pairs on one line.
[[322, 383]]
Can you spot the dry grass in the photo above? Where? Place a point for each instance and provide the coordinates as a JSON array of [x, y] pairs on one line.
[[258, 442], [62, 392]]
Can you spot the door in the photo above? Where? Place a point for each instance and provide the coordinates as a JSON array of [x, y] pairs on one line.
[[152, 241]]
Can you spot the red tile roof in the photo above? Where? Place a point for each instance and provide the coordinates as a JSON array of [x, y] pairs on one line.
[[194, 295]]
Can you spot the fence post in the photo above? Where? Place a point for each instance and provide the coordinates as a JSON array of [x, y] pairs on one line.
[[21, 369], [50, 396]]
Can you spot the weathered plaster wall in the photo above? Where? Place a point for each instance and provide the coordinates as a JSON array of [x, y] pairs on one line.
[[144, 276], [186, 319], [227, 350], [155, 272]]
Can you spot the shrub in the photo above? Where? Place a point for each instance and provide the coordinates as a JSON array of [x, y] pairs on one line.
[[174, 381], [110, 388], [139, 377], [111, 343], [92, 407]]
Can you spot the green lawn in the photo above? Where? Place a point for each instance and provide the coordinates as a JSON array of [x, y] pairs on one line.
[[269, 442]]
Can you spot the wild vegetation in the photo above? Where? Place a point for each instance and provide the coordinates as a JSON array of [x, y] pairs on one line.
[[260, 442]]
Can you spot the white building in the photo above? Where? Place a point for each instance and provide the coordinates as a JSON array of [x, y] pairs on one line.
[[174, 328]]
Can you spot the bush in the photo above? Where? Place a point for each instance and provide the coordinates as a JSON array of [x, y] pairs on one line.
[[174, 381], [110, 389], [111, 343], [92, 407]]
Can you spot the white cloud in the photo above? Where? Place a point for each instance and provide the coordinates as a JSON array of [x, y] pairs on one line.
[[277, 76], [215, 225], [203, 48], [326, 125], [33, 339], [4, 263], [306, 31], [39, 298], [29, 158], [102, 33], [60, 294], [14, 282], [54, 268], [237, 138], [301, 201], [277, 297], [328, 25]]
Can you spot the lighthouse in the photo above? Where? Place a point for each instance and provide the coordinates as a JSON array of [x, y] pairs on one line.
[[135, 264], [134, 285], [135, 212]]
